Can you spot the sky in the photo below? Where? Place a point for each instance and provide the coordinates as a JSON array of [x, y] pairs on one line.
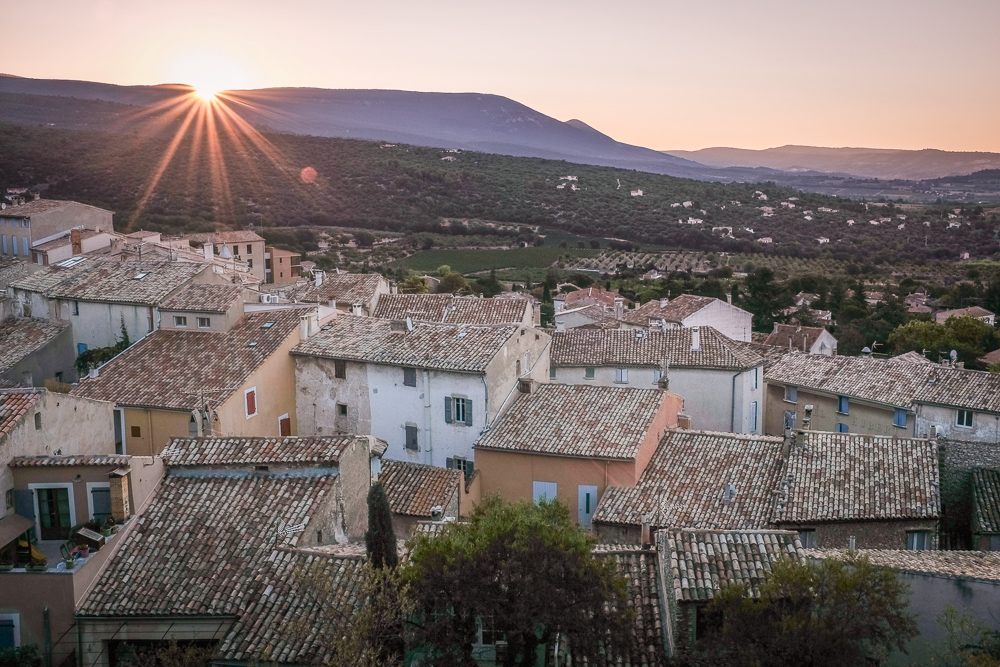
[[664, 74]]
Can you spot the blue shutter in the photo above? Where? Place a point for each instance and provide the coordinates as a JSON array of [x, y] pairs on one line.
[[468, 412], [447, 409]]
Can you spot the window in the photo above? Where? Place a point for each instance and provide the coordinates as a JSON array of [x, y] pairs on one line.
[[99, 500], [994, 544], [543, 491], [791, 394], [840, 427], [588, 373], [807, 538], [76, 307], [341, 409], [38, 421], [339, 368], [755, 378], [657, 374], [621, 376], [251, 401], [249, 263], [9, 498], [843, 405], [753, 416], [249, 249], [81, 348], [180, 321], [10, 631], [461, 463], [552, 372], [457, 410], [204, 322], [409, 377], [411, 438], [900, 418], [136, 432], [284, 426], [964, 418], [918, 540]]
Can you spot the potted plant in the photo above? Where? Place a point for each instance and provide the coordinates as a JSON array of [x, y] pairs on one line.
[[69, 563], [83, 550], [38, 565], [5, 563], [109, 526]]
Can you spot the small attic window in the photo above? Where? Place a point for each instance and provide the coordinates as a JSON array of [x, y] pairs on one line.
[[253, 344], [140, 276], [267, 325]]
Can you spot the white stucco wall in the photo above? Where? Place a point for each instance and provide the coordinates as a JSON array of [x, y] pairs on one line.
[[985, 426], [708, 394], [724, 318]]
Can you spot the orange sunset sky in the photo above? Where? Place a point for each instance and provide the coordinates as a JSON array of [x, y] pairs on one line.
[[661, 74]]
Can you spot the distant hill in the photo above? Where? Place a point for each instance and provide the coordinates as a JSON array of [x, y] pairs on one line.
[[859, 162], [468, 121]]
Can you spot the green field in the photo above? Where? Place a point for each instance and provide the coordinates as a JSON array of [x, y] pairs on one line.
[[470, 261]]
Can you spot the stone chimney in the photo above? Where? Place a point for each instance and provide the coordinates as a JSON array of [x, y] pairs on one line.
[[619, 307], [209, 251], [663, 303], [683, 421], [729, 298], [304, 327], [695, 339], [118, 481], [76, 241]]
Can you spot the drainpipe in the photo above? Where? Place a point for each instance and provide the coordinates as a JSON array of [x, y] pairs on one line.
[[486, 392], [47, 636], [79, 643], [428, 417], [732, 405]]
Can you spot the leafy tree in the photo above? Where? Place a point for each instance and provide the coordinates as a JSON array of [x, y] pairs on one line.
[[24, 656], [413, 285], [364, 239], [490, 286], [443, 270], [837, 612], [525, 570], [451, 283], [968, 336], [380, 539], [967, 642], [765, 298]]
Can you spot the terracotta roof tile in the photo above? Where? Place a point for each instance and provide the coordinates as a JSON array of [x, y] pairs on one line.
[[116, 460], [883, 381], [344, 288], [589, 295], [576, 420], [986, 501], [413, 489], [676, 310], [20, 337], [792, 335], [703, 562], [204, 298], [684, 483], [960, 388], [298, 609], [14, 404], [169, 368], [31, 208], [980, 565], [199, 543], [451, 309], [854, 477], [232, 236], [65, 240], [458, 347], [631, 347], [112, 281], [292, 450]]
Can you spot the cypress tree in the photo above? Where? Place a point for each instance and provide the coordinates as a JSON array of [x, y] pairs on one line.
[[380, 539]]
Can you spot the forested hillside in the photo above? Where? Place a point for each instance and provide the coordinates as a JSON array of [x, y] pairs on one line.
[[404, 188]]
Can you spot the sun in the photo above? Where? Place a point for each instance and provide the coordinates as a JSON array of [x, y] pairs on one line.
[[209, 74], [206, 93]]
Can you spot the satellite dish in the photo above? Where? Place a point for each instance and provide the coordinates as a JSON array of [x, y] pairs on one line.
[[866, 350], [954, 355], [224, 253]]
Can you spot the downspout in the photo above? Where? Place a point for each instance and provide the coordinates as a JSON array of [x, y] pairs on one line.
[[79, 643], [428, 417], [486, 392], [732, 405]]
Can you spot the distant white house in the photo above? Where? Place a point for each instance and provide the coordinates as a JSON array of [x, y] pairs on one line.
[[690, 310], [636, 193], [766, 239], [823, 240], [688, 204]]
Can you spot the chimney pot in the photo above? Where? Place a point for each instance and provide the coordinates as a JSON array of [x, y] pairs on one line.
[[304, 328], [619, 307], [695, 339], [560, 326], [683, 421]]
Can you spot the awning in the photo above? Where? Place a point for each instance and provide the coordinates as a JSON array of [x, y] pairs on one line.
[[11, 528]]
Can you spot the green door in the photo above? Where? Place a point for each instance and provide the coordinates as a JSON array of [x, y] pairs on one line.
[[53, 513]]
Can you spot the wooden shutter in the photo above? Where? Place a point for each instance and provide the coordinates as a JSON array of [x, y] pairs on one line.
[[468, 412], [447, 409], [251, 403], [285, 426]]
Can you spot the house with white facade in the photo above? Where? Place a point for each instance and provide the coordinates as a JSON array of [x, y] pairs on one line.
[[98, 297], [689, 310], [721, 381], [21, 227], [428, 390]]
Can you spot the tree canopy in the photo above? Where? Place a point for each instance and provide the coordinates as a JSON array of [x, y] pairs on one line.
[[380, 539], [836, 612], [526, 572]]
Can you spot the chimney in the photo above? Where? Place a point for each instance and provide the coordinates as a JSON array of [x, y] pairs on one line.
[[806, 421], [804, 348], [35, 196], [356, 309], [560, 326], [304, 328], [76, 241], [695, 339], [729, 298], [619, 307], [319, 278], [118, 481], [663, 303], [728, 494], [646, 531], [852, 543], [209, 251], [93, 373], [527, 386], [683, 421], [664, 382], [313, 323]]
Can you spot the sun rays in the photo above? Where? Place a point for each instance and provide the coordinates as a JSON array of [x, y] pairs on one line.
[[211, 122]]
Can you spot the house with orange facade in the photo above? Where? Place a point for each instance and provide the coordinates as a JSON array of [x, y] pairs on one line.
[[572, 442]]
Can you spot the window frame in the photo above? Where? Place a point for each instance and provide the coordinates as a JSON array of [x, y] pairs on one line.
[[180, 321], [340, 369], [811, 534], [791, 394], [409, 373], [589, 372], [959, 421], [411, 430], [252, 391], [90, 495], [895, 418], [841, 427], [843, 405], [15, 618], [912, 538], [621, 376], [204, 322]]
